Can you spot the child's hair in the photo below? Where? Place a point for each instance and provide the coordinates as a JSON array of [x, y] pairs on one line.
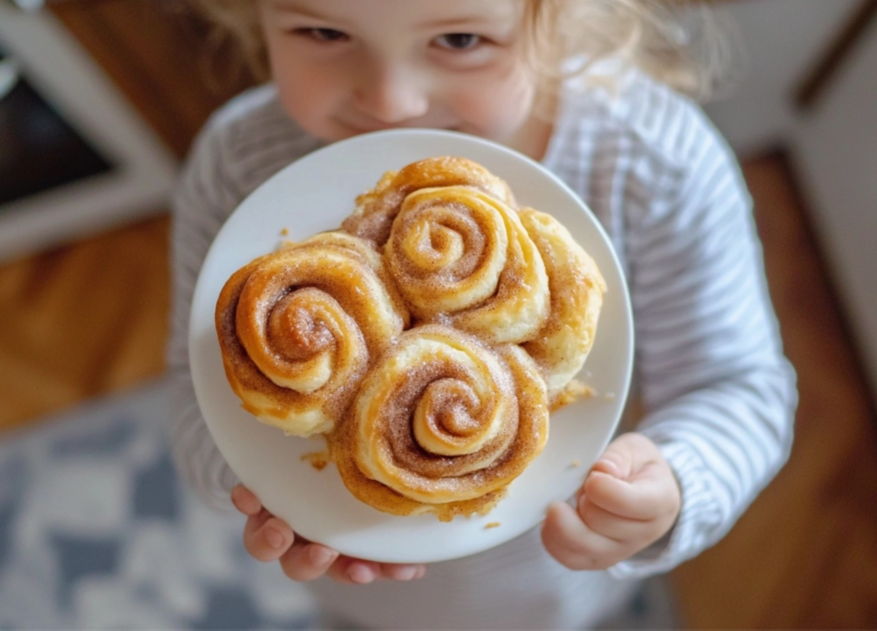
[[678, 42]]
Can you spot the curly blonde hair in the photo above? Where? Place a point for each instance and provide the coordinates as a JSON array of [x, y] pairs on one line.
[[679, 42]]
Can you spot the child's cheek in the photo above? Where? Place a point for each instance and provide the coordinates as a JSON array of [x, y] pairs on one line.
[[493, 109], [307, 98]]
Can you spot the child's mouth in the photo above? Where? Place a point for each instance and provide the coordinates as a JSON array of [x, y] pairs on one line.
[[367, 129]]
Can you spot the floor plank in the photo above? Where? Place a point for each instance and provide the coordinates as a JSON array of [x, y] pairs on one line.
[[805, 554], [82, 320]]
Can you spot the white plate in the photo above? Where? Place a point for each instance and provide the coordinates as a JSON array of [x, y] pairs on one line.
[[314, 194]]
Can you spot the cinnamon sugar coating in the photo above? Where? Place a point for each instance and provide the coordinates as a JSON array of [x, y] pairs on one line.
[[299, 328], [576, 287], [486, 408], [375, 210], [428, 339], [458, 252]]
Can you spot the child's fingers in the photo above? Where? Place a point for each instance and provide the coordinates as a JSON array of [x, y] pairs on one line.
[[640, 499], [255, 522], [306, 561], [402, 571], [572, 543], [610, 525], [267, 539], [245, 500], [626, 455], [349, 570]]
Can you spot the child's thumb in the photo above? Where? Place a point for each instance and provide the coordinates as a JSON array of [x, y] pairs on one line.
[[607, 465], [624, 456], [245, 500], [616, 461]]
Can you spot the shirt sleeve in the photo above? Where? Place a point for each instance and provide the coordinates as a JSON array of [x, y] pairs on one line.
[[719, 394], [204, 197]]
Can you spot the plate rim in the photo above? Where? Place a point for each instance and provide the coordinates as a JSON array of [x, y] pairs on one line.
[[416, 135]]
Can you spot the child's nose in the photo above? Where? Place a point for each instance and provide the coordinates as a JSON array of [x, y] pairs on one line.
[[391, 96]]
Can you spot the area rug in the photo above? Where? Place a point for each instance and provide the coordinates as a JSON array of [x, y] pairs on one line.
[[97, 532]]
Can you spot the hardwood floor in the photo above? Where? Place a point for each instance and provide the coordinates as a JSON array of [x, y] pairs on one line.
[[82, 320], [91, 318], [805, 554]]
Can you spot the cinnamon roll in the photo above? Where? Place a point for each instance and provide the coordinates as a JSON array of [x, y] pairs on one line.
[[576, 289], [428, 338], [298, 329], [376, 209], [463, 256], [442, 424]]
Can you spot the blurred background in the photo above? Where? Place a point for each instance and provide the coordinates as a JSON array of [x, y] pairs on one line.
[[99, 102]]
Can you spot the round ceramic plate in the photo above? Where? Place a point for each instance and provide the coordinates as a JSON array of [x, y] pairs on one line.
[[315, 194]]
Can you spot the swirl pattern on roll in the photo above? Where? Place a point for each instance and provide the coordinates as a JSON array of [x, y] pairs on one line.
[[376, 209], [464, 255], [299, 328], [428, 338], [576, 288], [442, 424]]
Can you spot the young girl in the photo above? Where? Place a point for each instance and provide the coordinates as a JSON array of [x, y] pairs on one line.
[[592, 89]]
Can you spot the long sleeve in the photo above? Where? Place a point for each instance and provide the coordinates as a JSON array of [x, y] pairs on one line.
[[718, 393], [242, 145], [200, 204]]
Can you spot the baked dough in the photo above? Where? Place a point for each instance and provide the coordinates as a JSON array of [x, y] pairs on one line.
[[464, 256], [576, 287], [375, 210], [298, 329], [428, 338], [442, 424]]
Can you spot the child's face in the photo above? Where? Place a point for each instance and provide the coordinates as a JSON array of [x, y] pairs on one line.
[[345, 67]]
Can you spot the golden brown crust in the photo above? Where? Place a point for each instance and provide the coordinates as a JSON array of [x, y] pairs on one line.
[[577, 287], [376, 209], [463, 257], [442, 424], [442, 417], [298, 329]]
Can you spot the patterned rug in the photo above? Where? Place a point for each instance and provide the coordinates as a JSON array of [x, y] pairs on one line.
[[97, 532]]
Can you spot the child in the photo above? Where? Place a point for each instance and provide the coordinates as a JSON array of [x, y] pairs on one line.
[[591, 88]]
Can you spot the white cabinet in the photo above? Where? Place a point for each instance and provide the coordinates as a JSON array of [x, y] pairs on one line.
[[72, 92]]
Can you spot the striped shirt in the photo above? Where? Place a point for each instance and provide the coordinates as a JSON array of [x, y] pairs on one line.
[[718, 394]]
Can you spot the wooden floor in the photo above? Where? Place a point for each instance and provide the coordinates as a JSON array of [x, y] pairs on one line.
[[805, 554], [90, 318], [82, 320]]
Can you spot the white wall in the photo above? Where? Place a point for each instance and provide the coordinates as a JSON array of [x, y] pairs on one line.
[[781, 38]]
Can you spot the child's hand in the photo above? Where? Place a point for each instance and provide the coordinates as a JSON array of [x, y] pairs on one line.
[[268, 538], [629, 500]]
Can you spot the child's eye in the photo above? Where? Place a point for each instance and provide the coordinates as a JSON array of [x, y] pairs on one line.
[[322, 34], [458, 41]]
